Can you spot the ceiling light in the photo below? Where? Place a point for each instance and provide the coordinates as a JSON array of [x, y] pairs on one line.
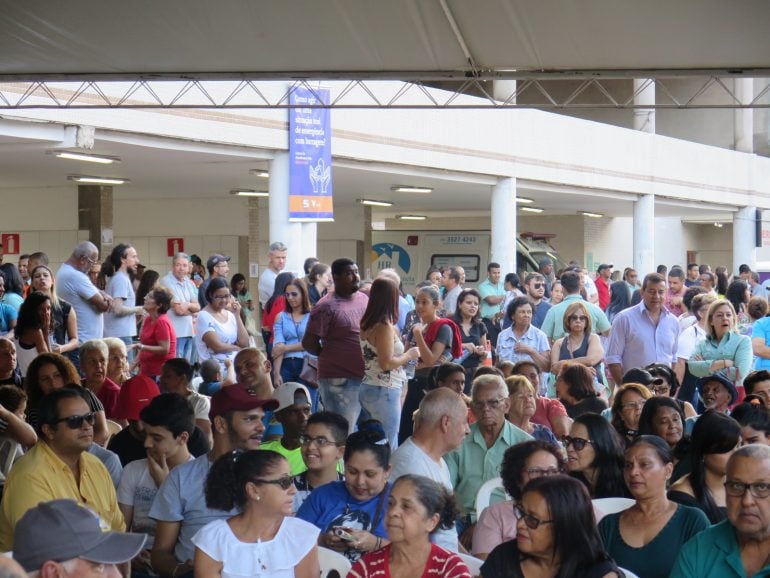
[[592, 215], [411, 189], [524, 200], [718, 225], [260, 173], [97, 180], [411, 217], [531, 209], [77, 156], [374, 203], [249, 193]]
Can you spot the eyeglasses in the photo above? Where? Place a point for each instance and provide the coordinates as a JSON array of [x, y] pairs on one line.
[[285, 482], [540, 472], [320, 441], [582, 318], [577, 443], [221, 297], [532, 522], [738, 489], [76, 421], [538, 285], [633, 405], [490, 403]]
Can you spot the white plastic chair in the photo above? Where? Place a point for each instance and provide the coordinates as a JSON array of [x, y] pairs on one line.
[[628, 573], [473, 564], [330, 560], [485, 494], [609, 506]]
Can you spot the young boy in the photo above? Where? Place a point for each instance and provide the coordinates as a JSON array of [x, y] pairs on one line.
[[292, 413], [211, 375]]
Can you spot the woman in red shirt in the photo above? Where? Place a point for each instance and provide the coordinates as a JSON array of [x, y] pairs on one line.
[[157, 343]]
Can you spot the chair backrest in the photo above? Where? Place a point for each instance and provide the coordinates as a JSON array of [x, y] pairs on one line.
[[473, 564], [330, 561], [609, 506], [485, 494]]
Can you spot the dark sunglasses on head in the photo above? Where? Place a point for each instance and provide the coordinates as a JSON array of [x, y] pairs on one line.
[[76, 421], [285, 482], [577, 443]]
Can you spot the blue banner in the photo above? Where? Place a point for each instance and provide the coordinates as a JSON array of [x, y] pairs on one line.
[[310, 157]]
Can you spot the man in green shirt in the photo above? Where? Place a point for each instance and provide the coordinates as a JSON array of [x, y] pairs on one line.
[[292, 413], [553, 326], [492, 291]]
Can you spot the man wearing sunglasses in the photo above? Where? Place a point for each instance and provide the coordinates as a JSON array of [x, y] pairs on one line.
[[59, 466], [534, 284], [739, 545]]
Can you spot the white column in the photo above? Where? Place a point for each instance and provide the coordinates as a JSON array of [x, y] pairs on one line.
[[309, 240], [744, 238], [744, 117], [644, 118], [503, 248], [503, 90], [644, 235], [280, 227]]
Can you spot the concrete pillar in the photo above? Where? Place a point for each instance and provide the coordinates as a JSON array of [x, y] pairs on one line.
[[644, 118], [503, 248], [365, 263], [644, 235], [309, 240], [95, 216], [744, 238], [504, 91], [280, 227], [744, 117]]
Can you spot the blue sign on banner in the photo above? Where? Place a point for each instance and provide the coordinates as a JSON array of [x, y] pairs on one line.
[[310, 157]]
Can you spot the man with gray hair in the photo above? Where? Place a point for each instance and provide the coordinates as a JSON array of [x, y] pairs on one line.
[[74, 287], [184, 304], [441, 425], [479, 457], [276, 261], [740, 545]]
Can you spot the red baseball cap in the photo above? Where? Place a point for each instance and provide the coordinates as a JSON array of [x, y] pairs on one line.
[[238, 397], [135, 395]]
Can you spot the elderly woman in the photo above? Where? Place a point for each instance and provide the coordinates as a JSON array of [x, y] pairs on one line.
[[523, 398], [157, 343], [556, 535], [664, 417], [522, 340], [626, 409], [580, 344], [595, 456], [575, 389], [521, 463], [117, 363], [647, 537], [417, 507], [723, 349], [93, 364]]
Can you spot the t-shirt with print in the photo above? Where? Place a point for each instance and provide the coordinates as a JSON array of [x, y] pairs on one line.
[[119, 286], [336, 322]]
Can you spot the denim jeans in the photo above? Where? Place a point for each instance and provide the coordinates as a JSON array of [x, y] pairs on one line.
[[184, 348], [384, 405], [340, 395], [291, 367]]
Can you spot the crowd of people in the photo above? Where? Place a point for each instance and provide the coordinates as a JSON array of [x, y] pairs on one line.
[[171, 425]]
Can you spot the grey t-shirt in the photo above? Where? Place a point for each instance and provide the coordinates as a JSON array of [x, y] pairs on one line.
[[76, 289], [119, 287]]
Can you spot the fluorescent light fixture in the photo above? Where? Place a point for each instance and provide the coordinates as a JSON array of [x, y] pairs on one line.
[[249, 193], [592, 215], [80, 156], [411, 217], [411, 189], [531, 209], [262, 173], [97, 180], [374, 203], [524, 200], [718, 225]]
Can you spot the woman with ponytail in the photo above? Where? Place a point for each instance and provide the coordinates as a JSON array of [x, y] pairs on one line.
[[264, 540], [351, 514]]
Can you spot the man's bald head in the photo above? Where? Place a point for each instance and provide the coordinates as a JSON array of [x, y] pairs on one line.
[[438, 403]]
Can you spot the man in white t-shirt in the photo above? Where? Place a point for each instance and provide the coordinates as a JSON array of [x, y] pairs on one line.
[[276, 261], [74, 287], [184, 305], [168, 423], [176, 377], [440, 427]]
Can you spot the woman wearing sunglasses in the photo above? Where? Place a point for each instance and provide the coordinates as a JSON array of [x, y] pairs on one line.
[[351, 514], [595, 456], [579, 345], [627, 408], [521, 463], [647, 537], [556, 536], [264, 539]]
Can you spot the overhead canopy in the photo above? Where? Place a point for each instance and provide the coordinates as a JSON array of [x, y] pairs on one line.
[[396, 39]]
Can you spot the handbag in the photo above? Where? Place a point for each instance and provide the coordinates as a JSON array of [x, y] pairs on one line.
[[309, 372]]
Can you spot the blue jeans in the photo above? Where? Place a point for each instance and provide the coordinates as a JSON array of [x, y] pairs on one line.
[[131, 352], [340, 395], [291, 367], [184, 348], [384, 405]]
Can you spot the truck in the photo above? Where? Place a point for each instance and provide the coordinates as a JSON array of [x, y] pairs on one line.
[[412, 253]]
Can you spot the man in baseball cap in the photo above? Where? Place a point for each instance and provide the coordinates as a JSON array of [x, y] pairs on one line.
[[292, 413], [217, 266], [63, 538], [180, 508]]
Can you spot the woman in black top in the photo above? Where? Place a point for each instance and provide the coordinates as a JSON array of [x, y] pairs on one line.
[[575, 389], [472, 330]]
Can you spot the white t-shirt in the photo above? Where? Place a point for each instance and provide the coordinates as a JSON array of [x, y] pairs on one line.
[[184, 291], [119, 287], [590, 286], [688, 339], [275, 558], [409, 458], [76, 289], [201, 404], [266, 285], [227, 333]]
